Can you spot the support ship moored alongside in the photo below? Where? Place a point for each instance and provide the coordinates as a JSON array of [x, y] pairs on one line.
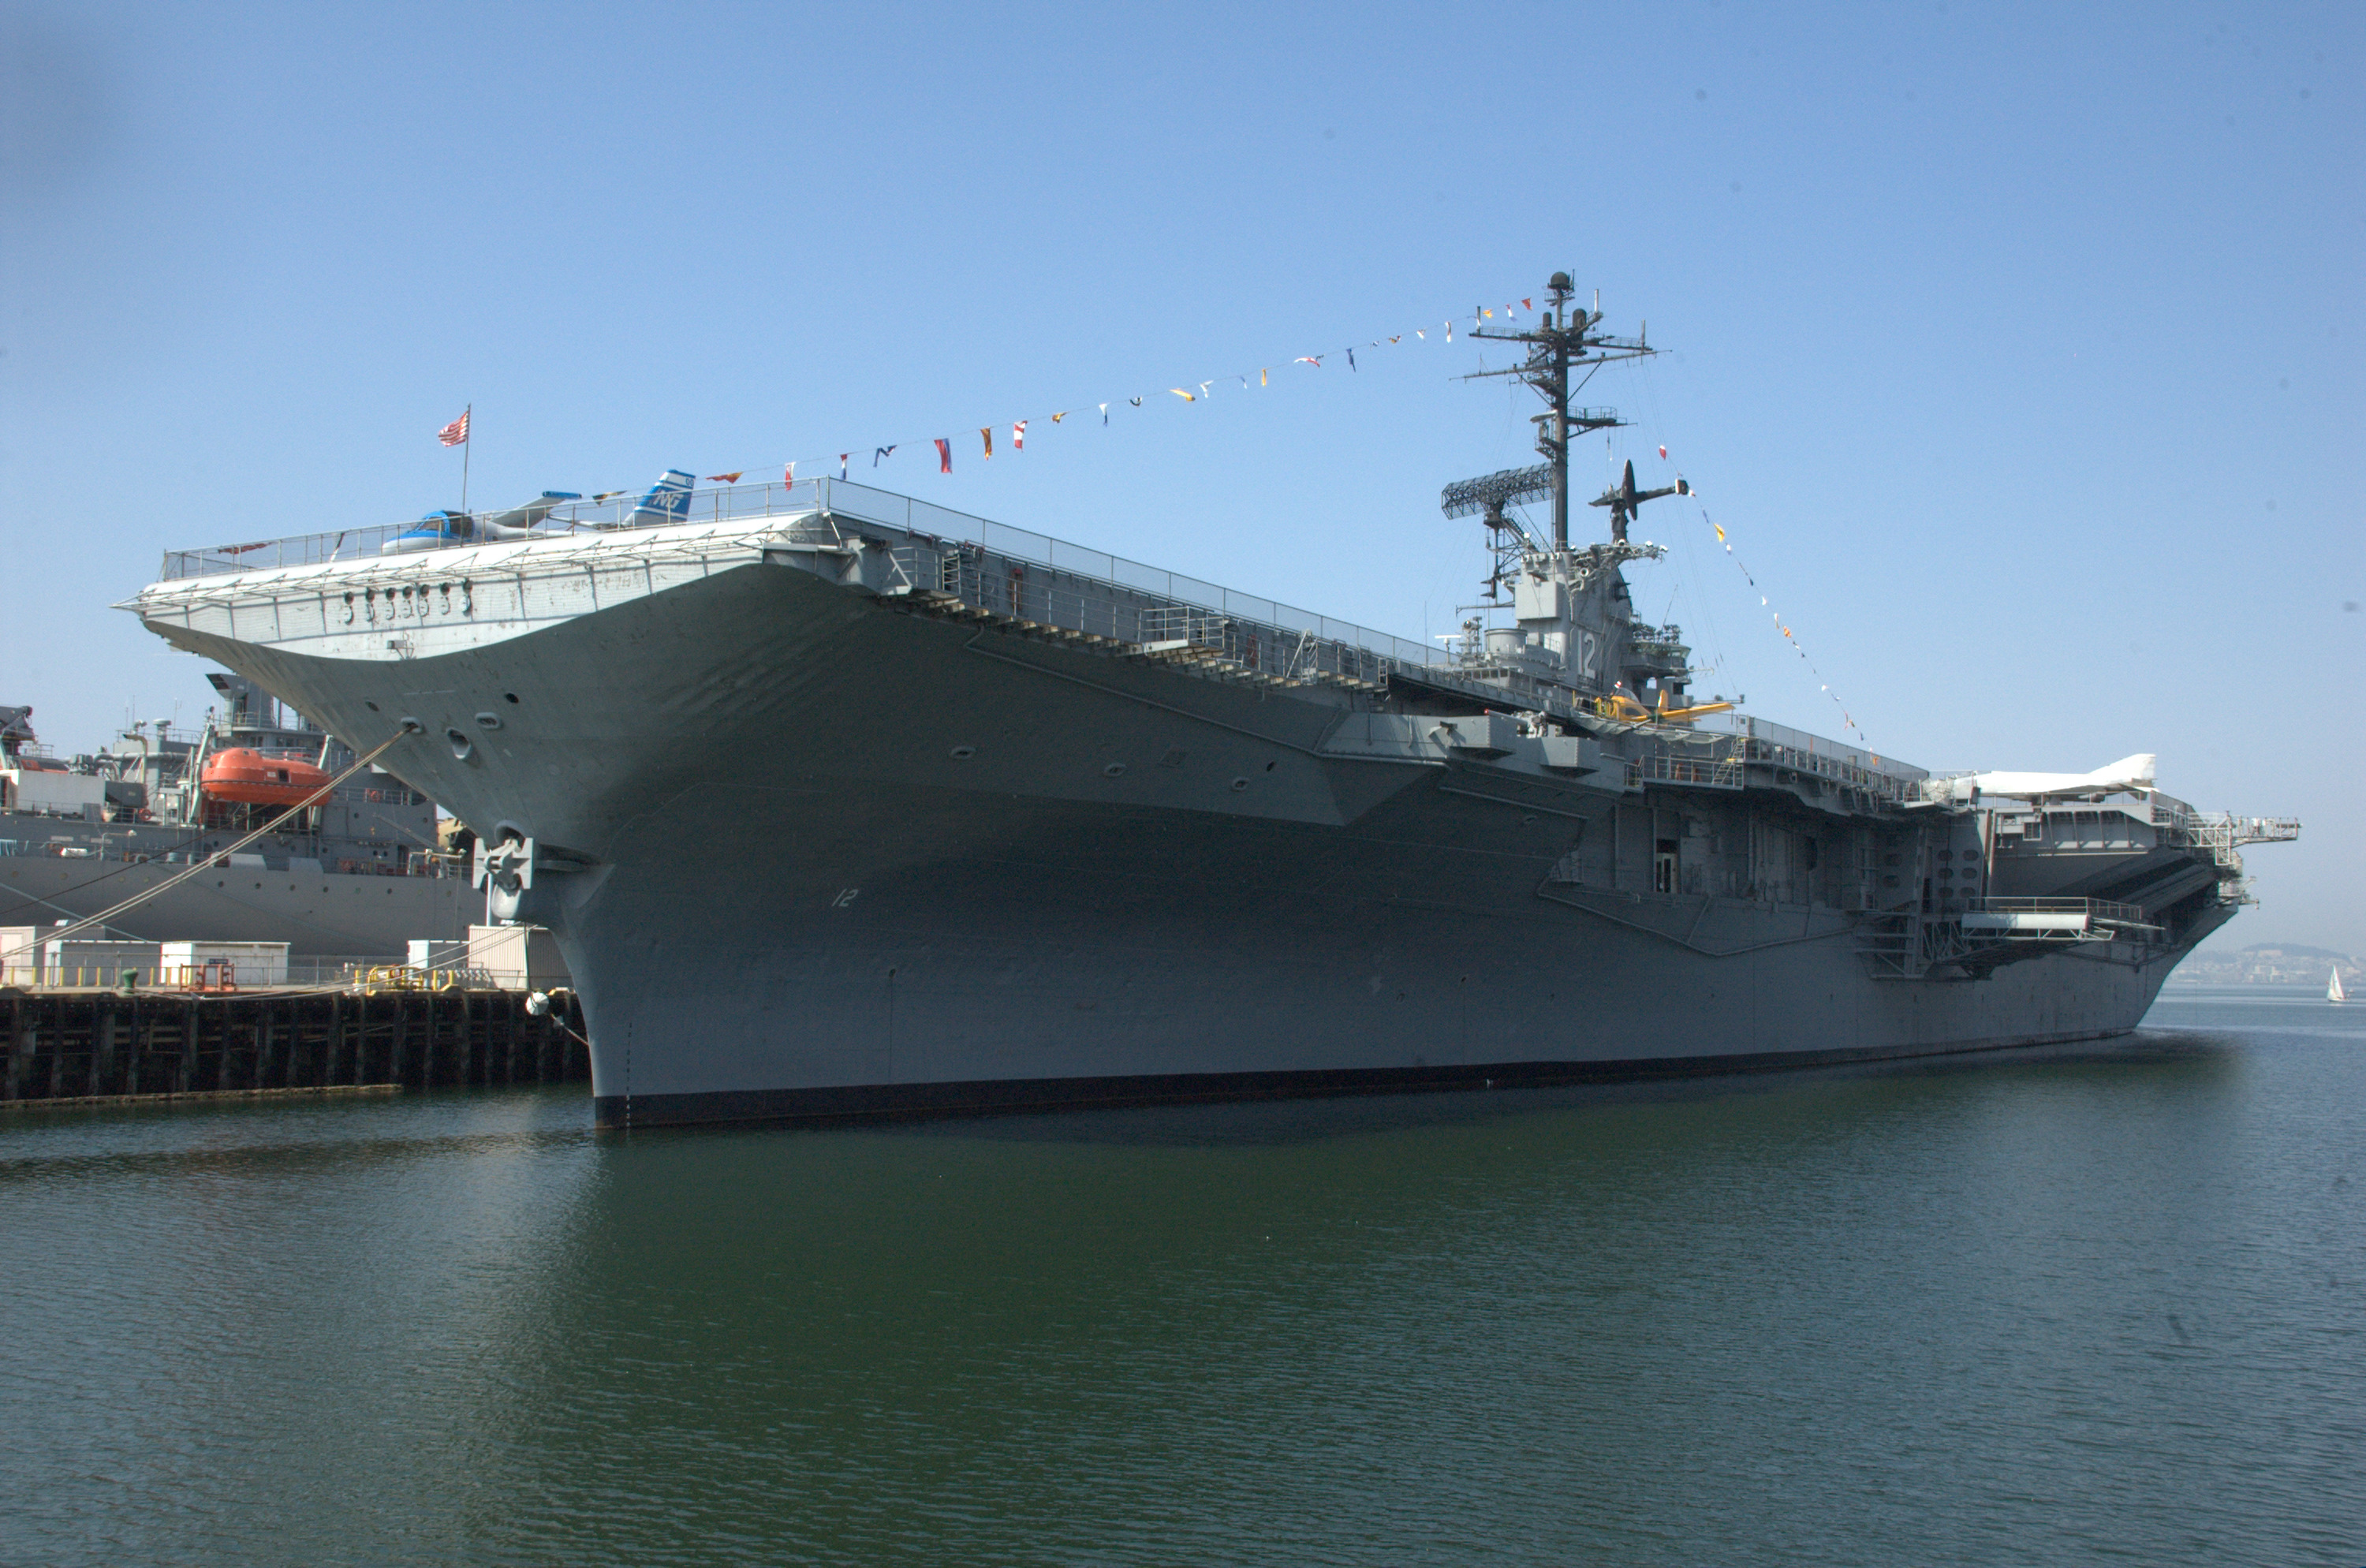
[[842, 804]]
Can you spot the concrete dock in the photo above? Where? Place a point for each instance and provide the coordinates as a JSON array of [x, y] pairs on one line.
[[87, 1045]]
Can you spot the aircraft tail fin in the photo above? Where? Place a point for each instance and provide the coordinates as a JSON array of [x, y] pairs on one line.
[[2136, 771], [667, 502]]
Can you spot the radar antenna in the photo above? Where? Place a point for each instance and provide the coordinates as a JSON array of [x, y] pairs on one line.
[[1567, 336], [1507, 537]]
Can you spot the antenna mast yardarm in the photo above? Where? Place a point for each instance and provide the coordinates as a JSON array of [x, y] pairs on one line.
[[1566, 337]]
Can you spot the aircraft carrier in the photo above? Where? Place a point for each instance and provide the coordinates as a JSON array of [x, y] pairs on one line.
[[840, 804]]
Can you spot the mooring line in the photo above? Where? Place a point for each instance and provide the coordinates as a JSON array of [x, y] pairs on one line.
[[100, 920]]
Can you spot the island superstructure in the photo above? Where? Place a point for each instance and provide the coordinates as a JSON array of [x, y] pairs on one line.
[[842, 804]]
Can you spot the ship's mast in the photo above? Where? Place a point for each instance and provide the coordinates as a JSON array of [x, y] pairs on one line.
[[1566, 338]]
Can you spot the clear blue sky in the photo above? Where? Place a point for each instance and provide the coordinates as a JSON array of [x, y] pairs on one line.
[[2018, 349]]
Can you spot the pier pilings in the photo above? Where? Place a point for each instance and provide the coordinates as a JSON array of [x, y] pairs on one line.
[[75, 1044]]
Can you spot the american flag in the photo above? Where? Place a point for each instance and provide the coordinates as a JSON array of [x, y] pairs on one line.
[[456, 433]]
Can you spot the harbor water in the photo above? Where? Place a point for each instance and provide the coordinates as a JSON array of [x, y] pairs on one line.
[[2104, 1303]]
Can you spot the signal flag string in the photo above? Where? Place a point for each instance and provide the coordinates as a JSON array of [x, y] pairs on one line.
[[1651, 423], [1192, 392], [1776, 615]]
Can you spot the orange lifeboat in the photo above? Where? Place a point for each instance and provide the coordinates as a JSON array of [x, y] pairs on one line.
[[252, 778]]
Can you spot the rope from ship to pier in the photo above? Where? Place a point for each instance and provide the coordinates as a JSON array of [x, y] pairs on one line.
[[207, 864], [166, 853]]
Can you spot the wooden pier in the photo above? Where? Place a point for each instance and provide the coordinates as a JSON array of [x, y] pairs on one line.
[[88, 1044]]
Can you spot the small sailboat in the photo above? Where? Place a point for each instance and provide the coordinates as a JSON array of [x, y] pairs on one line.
[[2333, 991]]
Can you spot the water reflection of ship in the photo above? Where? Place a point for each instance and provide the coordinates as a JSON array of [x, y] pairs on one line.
[[359, 873]]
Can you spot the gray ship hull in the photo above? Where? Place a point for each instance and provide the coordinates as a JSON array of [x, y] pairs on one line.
[[1095, 954], [320, 913], [810, 853]]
